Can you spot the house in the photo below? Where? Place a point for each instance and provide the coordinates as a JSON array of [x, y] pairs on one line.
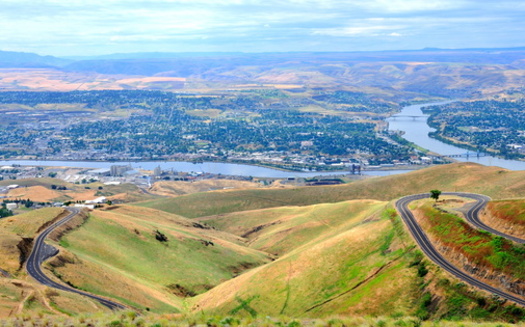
[[11, 206]]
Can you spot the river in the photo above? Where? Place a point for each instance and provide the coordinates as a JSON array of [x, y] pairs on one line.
[[205, 167], [416, 131]]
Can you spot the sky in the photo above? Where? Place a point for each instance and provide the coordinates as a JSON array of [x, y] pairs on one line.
[[97, 27]]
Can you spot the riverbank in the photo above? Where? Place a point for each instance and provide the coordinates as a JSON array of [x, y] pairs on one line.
[[416, 130], [206, 167]]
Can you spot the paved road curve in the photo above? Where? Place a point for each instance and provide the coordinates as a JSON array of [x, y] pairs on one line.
[[472, 215], [42, 251], [427, 247]]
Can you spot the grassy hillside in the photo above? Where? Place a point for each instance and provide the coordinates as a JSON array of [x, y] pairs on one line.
[[493, 253], [40, 190], [174, 188], [337, 266], [13, 231], [280, 252], [507, 216], [358, 260], [469, 177], [281, 230], [20, 294], [118, 255]]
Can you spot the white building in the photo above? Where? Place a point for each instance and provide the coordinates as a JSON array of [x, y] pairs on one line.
[[98, 200], [89, 206]]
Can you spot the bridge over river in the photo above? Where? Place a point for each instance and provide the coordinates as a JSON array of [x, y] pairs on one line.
[[414, 117], [465, 155]]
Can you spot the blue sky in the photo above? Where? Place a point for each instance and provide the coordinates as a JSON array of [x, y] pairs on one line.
[[92, 27]]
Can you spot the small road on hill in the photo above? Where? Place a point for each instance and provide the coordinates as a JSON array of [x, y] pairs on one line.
[[42, 251], [431, 252], [472, 215]]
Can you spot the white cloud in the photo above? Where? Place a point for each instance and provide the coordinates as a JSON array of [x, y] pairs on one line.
[[102, 26], [361, 31], [408, 6]]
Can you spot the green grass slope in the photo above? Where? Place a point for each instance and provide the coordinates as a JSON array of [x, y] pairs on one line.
[[280, 230], [345, 267], [469, 177], [20, 294], [116, 254], [352, 258]]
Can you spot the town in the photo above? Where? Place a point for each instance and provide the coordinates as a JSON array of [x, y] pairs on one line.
[[142, 126]]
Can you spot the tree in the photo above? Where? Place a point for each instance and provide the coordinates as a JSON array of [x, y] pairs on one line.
[[28, 203], [434, 194]]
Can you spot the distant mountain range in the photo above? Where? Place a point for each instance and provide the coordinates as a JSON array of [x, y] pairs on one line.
[[436, 72], [10, 59], [191, 63]]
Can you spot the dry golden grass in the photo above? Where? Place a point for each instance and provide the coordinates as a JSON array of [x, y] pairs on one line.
[[339, 273], [496, 182], [35, 193], [28, 224], [30, 300], [174, 188], [115, 254], [507, 216], [26, 296], [280, 230], [9, 252], [14, 229]]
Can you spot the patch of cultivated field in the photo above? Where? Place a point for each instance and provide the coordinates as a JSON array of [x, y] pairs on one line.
[[35, 193], [56, 80]]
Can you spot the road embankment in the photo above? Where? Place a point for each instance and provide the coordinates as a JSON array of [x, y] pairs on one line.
[[456, 263]]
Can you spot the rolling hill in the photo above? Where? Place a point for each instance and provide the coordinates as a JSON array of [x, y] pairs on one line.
[[462, 177], [311, 252], [120, 256]]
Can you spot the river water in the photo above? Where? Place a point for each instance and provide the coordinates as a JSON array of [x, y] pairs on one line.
[[205, 167], [416, 131]]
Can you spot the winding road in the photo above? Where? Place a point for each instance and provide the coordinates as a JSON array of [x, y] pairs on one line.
[[427, 247], [472, 216], [42, 251]]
